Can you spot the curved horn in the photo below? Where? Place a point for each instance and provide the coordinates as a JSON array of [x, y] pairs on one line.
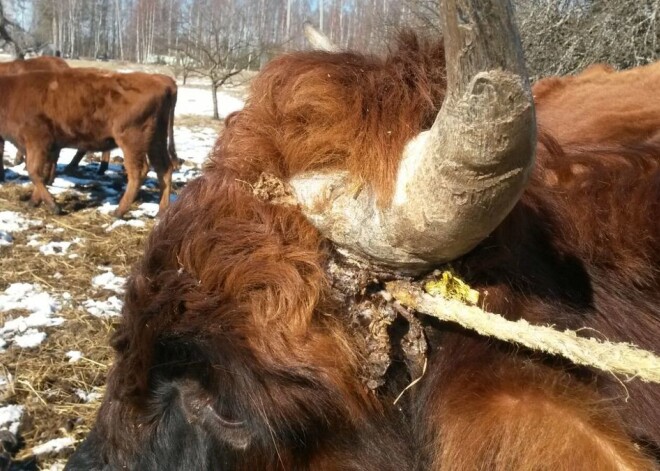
[[318, 40], [458, 180]]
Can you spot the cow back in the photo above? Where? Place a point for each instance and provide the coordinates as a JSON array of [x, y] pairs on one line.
[[600, 105]]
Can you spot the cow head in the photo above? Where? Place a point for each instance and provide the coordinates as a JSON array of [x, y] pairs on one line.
[[230, 354]]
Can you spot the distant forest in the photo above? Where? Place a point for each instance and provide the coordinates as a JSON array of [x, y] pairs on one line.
[[560, 36]]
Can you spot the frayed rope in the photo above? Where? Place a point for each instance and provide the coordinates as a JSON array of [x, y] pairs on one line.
[[618, 358]]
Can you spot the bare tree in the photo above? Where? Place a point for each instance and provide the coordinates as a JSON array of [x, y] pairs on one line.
[[565, 36], [215, 56], [5, 26]]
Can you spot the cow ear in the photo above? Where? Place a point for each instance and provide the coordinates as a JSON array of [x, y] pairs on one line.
[[198, 407]]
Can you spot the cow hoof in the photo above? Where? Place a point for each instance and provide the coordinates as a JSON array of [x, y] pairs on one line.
[[118, 214]]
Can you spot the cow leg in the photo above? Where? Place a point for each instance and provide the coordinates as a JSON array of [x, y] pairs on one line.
[[165, 183], [40, 167], [51, 166], [73, 165], [105, 162], [163, 166], [134, 163]]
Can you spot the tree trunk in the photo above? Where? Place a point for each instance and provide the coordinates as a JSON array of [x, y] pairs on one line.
[[214, 91]]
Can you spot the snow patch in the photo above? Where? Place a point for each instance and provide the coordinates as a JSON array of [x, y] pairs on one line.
[[104, 309], [42, 306], [107, 208], [10, 418], [193, 145], [74, 356], [149, 210], [56, 247], [124, 222], [88, 397], [53, 446], [30, 339], [109, 281], [198, 101], [12, 222]]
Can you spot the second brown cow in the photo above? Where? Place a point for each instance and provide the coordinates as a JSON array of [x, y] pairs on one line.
[[43, 112]]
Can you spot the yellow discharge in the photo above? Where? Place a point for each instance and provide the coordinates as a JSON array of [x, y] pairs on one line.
[[450, 286]]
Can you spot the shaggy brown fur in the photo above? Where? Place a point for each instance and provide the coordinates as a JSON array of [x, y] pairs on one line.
[[232, 297], [42, 112], [601, 105]]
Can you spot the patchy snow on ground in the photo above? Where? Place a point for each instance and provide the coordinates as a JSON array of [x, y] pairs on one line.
[[23, 330], [194, 145], [10, 417], [88, 396], [108, 308], [109, 281], [53, 446], [124, 222], [30, 338], [74, 356], [55, 247], [12, 222], [199, 101], [149, 210]]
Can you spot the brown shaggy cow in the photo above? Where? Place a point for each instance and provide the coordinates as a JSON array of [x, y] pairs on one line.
[[21, 66], [42, 112], [170, 85], [34, 65], [235, 350]]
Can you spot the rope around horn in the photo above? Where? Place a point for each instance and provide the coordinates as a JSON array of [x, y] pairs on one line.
[[616, 358], [450, 299]]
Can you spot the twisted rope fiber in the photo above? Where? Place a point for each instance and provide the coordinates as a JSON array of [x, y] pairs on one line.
[[618, 358]]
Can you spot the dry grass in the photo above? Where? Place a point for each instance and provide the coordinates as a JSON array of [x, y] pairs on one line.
[[197, 121], [43, 380]]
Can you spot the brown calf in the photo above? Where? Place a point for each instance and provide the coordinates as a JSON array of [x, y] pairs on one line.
[[42, 112], [170, 85], [41, 64]]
